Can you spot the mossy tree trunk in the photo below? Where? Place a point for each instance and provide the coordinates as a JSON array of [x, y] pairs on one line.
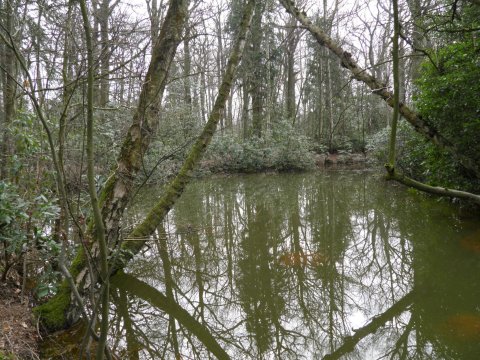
[[147, 227], [59, 311], [392, 173], [118, 188], [392, 99]]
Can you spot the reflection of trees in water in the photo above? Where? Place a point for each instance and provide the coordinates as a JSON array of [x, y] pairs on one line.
[[232, 247], [128, 283], [259, 287]]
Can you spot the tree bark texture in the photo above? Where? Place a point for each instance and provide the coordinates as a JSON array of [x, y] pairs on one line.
[[99, 228], [118, 188], [396, 85], [292, 41], [9, 75], [256, 82]]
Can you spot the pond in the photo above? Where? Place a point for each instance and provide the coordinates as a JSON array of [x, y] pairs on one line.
[[333, 265]]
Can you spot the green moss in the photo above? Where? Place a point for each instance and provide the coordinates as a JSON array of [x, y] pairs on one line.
[[78, 263], [107, 190], [6, 356], [53, 313]]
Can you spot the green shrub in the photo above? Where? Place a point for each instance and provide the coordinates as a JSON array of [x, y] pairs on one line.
[[448, 99], [26, 225], [13, 215], [283, 149], [377, 145]]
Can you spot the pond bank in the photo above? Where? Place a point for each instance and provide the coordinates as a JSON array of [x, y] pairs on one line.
[[341, 161]]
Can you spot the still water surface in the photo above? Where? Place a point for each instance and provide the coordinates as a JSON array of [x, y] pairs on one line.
[[334, 265]]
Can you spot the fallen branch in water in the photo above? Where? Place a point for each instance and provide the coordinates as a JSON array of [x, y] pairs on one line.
[[392, 174]]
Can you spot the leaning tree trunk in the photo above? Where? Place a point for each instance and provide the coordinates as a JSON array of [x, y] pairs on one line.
[[147, 227], [360, 74], [392, 173], [58, 312]]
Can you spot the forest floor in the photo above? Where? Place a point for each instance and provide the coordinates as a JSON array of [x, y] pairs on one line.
[[19, 337]]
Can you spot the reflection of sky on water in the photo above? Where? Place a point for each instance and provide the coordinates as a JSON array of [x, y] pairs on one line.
[[225, 237]]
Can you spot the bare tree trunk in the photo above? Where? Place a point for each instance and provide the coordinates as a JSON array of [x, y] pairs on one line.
[[396, 87], [257, 81], [203, 100], [173, 191], [99, 227], [292, 41], [9, 77], [104, 14], [245, 103], [155, 18], [328, 102], [55, 313], [417, 10], [63, 221], [328, 82], [219, 58], [319, 113], [187, 65]]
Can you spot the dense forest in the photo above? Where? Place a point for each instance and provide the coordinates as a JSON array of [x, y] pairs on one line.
[[104, 98]]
